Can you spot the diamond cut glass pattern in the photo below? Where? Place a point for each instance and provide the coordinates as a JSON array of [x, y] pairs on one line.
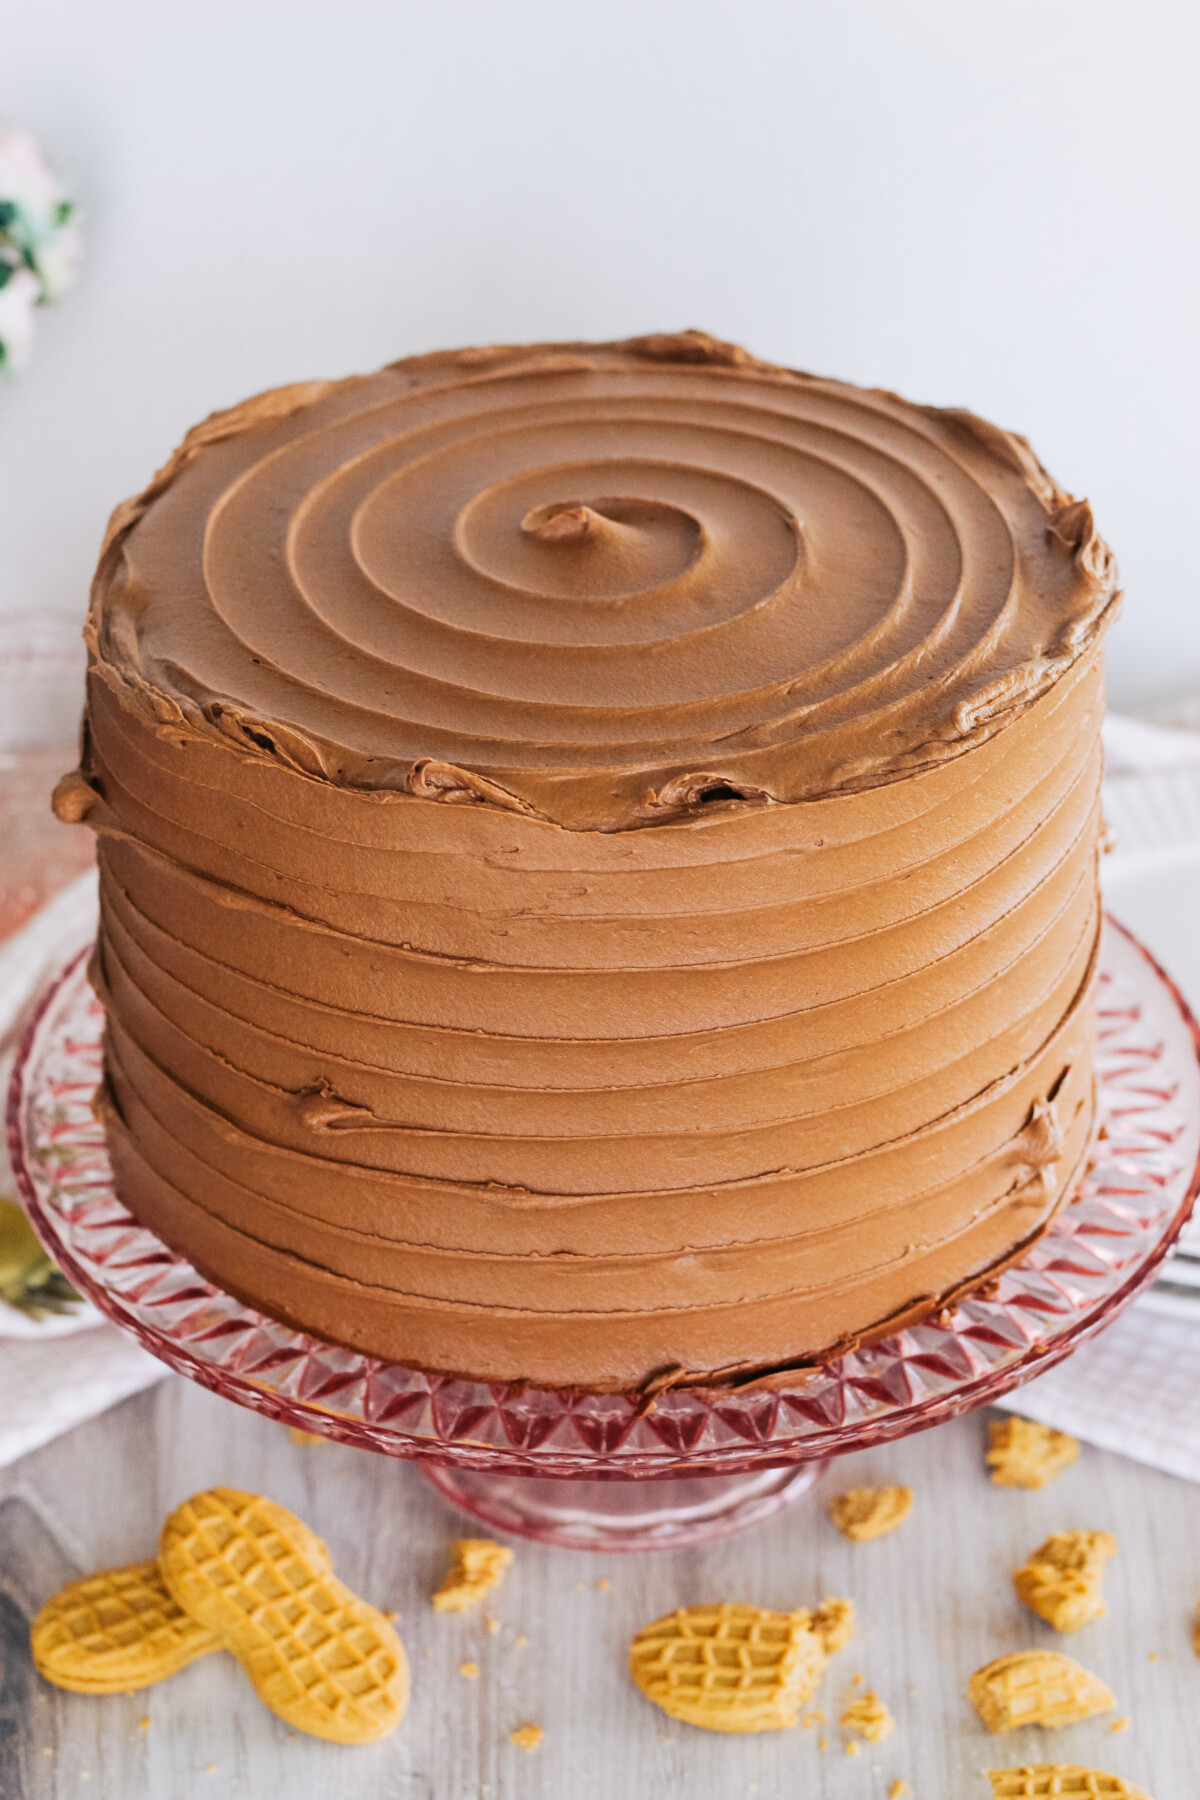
[[1101, 1249]]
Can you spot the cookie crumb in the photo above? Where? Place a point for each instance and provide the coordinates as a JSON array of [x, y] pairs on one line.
[[822, 1743], [143, 1725], [603, 1582], [306, 1437], [527, 1737], [852, 1748], [478, 1564], [833, 1624], [492, 1623], [869, 1717], [899, 1790], [1119, 1725], [470, 1670], [864, 1513], [519, 1642]]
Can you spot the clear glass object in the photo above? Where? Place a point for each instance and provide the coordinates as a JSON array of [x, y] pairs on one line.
[[607, 1471]]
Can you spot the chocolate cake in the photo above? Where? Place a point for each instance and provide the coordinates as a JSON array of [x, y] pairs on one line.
[[598, 857]]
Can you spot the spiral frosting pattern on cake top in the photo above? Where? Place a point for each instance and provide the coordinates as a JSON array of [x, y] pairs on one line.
[[602, 584]]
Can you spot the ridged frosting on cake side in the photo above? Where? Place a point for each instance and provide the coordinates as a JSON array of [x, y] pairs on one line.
[[598, 857]]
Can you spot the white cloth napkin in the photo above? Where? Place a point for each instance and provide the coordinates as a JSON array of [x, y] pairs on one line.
[[1135, 1389], [1131, 747], [49, 1387]]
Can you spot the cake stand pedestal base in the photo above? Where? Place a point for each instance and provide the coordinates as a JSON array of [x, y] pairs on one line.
[[620, 1514]]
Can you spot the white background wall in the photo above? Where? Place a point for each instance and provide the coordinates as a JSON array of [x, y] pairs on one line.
[[989, 202]]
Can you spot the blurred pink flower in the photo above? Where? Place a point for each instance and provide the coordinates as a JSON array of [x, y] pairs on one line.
[[39, 242]]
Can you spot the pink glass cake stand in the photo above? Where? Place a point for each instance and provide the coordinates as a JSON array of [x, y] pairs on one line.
[[693, 1465]]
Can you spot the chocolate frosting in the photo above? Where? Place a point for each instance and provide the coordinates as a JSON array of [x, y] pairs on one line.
[[598, 856], [599, 583]]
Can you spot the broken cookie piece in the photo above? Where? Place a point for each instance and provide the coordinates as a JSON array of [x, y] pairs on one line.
[[1061, 1580], [737, 1668], [1041, 1781], [1036, 1687], [1024, 1454]]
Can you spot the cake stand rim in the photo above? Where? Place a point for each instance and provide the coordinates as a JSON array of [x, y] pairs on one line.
[[1043, 1354]]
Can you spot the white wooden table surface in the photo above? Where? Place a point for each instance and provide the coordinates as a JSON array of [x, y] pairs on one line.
[[934, 1600]]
